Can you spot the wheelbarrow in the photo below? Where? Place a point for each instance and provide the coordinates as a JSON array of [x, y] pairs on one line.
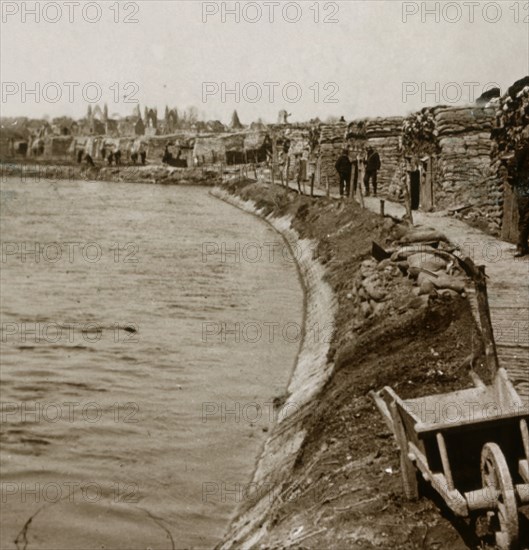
[[471, 446]]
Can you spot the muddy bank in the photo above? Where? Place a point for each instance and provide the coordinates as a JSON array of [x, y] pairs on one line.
[[311, 373], [329, 473], [161, 174]]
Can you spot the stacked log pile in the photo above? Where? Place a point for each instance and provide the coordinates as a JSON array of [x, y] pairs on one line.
[[511, 118], [384, 135], [332, 143]]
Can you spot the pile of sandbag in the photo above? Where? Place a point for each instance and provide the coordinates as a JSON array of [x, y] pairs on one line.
[[426, 256], [332, 142], [456, 120], [372, 289], [384, 135], [384, 126], [434, 270], [357, 130], [458, 141], [356, 136], [463, 135]]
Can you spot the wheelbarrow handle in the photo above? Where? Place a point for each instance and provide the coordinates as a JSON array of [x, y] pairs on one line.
[[383, 408]]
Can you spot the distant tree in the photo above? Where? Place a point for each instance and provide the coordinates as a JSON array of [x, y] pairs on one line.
[[192, 114], [188, 117]]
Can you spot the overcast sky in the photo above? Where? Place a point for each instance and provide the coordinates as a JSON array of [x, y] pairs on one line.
[[364, 58]]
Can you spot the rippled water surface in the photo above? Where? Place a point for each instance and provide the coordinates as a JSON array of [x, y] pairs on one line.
[[116, 394]]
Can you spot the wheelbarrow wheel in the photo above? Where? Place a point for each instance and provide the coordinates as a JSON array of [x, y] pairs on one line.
[[495, 475]]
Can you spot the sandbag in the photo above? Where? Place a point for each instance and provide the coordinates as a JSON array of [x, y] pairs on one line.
[[427, 261], [404, 251], [423, 234], [442, 281]]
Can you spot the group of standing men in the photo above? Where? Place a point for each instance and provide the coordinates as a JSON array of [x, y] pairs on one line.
[[112, 157], [348, 169]]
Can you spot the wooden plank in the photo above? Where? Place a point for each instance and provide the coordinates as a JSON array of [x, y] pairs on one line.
[[445, 461], [454, 499], [484, 423]]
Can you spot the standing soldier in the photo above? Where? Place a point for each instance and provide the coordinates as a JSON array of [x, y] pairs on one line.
[[372, 163], [344, 168], [143, 153]]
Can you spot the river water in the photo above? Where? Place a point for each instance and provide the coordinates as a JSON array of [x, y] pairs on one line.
[[138, 362]]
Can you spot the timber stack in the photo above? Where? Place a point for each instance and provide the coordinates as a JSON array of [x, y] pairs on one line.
[[512, 116]]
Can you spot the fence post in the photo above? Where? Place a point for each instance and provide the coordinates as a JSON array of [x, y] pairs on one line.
[[491, 355], [407, 198]]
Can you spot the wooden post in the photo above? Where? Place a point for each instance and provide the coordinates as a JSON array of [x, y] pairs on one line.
[[382, 204], [360, 183], [327, 191], [312, 177], [407, 199], [487, 332], [445, 461], [361, 195]]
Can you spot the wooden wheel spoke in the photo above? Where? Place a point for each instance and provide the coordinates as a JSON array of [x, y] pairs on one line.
[[495, 474]]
